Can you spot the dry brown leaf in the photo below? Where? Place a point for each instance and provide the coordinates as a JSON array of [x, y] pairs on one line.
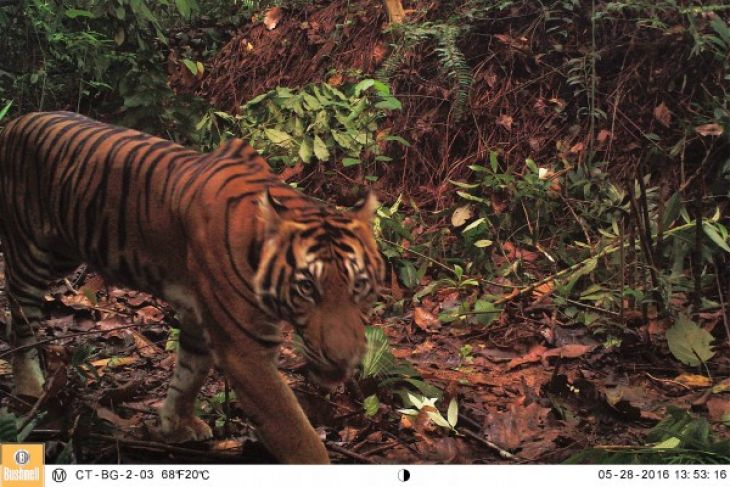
[[144, 346], [461, 215], [663, 115], [113, 418], [273, 17], [709, 129], [604, 135], [534, 355], [292, 171], [349, 434], [114, 362], [149, 315], [425, 320], [718, 408], [463, 378], [505, 121], [572, 350], [693, 380], [577, 148]]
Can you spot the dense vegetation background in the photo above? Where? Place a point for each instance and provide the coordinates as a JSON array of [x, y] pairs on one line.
[[555, 178]]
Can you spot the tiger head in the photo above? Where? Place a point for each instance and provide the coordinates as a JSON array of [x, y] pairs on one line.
[[320, 271]]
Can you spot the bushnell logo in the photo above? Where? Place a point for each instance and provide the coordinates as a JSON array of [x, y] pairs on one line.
[[22, 465]]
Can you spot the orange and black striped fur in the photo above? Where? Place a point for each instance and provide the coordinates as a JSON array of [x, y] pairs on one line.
[[219, 236]]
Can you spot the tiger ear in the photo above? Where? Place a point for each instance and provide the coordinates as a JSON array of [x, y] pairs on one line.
[[364, 210], [270, 213]]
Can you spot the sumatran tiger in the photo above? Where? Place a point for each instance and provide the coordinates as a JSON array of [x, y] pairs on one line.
[[234, 249]]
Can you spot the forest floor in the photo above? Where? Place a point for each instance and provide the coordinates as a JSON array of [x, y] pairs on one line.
[[529, 388]]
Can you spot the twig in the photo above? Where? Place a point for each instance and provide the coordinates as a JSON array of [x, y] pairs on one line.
[[70, 335], [348, 453], [723, 306], [501, 451], [154, 445]]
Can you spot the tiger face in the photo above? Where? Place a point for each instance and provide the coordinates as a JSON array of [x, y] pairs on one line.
[[320, 271]]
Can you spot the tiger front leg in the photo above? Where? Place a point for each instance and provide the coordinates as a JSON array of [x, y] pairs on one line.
[[178, 422], [268, 402]]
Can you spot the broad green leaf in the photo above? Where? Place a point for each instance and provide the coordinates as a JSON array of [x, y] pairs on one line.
[[191, 65], [184, 7], [389, 103], [362, 86], [689, 343], [371, 404], [483, 243], [408, 274], [350, 161], [277, 136], [320, 149], [306, 151], [399, 139], [487, 312], [669, 443], [671, 210], [715, 236], [73, 13], [342, 140]]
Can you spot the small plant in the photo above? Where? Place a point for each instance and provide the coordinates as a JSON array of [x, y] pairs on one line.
[[315, 123], [678, 439], [422, 404]]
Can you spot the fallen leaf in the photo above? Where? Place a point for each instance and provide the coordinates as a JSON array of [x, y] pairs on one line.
[[149, 315], [718, 408], [572, 350], [349, 434], [663, 115], [722, 386], [273, 17], [113, 418], [461, 215], [712, 129], [693, 380], [604, 135], [505, 121], [114, 362], [519, 425], [144, 346], [424, 319], [577, 148], [689, 343]]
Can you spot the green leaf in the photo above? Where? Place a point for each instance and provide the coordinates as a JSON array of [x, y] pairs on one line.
[[191, 65], [73, 13], [689, 343], [371, 405], [487, 311], [714, 235], [306, 151], [397, 138], [671, 210], [5, 109], [362, 86], [184, 7], [389, 103], [256, 99], [483, 243], [320, 149], [278, 137], [452, 415], [349, 161], [342, 140], [408, 274]]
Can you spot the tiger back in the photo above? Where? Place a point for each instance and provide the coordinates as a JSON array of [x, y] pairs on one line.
[[220, 237]]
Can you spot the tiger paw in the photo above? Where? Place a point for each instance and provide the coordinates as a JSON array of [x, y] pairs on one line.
[[182, 429]]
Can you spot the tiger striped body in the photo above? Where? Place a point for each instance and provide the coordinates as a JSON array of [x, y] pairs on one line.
[[220, 237]]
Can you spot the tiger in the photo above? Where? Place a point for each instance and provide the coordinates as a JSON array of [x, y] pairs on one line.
[[226, 242]]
